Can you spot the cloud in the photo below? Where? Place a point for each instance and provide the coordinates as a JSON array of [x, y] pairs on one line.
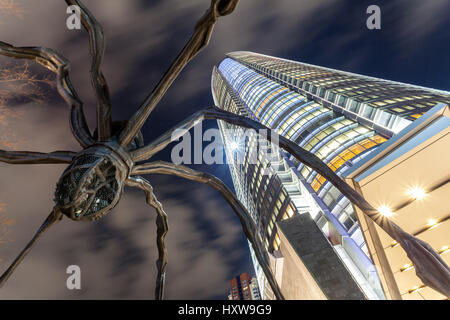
[[417, 19]]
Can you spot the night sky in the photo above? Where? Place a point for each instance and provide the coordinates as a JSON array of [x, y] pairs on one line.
[[206, 245]]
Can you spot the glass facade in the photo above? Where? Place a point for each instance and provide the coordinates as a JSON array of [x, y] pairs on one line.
[[340, 117], [381, 104]]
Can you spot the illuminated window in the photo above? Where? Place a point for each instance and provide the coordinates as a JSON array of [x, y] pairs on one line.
[[290, 211], [276, 242]]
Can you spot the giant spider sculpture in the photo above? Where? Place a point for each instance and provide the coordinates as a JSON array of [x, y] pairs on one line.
[[92, 184]]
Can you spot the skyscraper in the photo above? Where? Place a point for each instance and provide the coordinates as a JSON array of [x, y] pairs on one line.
[[244, 287], [342, 118]]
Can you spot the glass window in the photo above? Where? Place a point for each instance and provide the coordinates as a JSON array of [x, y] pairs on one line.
[[346, 222], [322, 93], [368, 112], [328, 199], [334, 192], [384, 118], [331, 96], [342, 101]]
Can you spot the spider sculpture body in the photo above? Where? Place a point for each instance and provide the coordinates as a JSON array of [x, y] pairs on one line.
[[93, 183]]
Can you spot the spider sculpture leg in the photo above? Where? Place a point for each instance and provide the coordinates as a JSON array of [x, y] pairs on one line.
[[429, 266], [54, 216], [98, 81], [196, 43], [247, 222], [30, 157], [60, 66], [162, 228]]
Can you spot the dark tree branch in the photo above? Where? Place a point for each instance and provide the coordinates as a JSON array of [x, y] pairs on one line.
[[30, 157], [97, 45], [247, 222], [429, 266], [61, 67], [54, 216], [162, 228], [196, 43]]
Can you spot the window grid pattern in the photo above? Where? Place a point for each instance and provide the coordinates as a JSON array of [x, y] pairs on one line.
[[314, 127], [389, 104], [263, 193]]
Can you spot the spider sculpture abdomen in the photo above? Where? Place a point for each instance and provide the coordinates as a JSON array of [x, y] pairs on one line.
[[93, 183]]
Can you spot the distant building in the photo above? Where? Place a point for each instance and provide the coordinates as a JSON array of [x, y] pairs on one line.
[[244, 287]]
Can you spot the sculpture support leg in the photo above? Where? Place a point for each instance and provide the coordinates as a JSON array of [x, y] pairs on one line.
[[54, 216], [429, 266], [247, 223], [61, 67], [162, 229], [199, 40], [30, 157], [97, 45]]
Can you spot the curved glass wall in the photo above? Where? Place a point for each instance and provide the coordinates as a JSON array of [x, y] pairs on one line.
[[333, 138], [290, 189], [379, 103]]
